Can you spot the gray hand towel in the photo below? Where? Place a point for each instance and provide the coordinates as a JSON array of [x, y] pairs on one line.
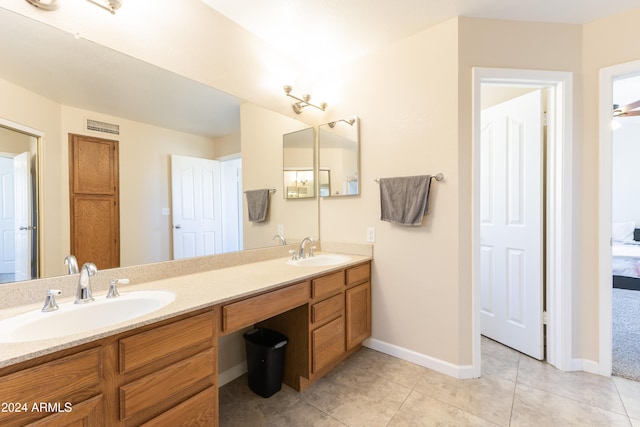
[[257, 204], [404, 200]]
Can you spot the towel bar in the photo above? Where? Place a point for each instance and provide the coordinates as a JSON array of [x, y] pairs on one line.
[[438, 177], [271, 190]]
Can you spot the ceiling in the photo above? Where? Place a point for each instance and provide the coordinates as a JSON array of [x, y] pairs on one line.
[[315, 30]]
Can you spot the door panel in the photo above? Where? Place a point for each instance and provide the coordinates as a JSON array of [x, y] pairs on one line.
[[511, 230], [95, 204], [197, 210]]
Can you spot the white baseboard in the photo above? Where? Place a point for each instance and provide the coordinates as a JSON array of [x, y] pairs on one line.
[[585, 365], [232, 373], [456, 371]]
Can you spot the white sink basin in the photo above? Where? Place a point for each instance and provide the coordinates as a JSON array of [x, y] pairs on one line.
[[73, 318], [321, 260]]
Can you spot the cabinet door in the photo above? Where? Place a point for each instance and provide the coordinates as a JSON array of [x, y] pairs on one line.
[[87, 413], [358, 308], [328, 343]]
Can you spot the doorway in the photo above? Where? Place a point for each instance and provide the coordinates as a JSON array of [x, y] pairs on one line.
[[557, 212], [511, 216], [607, 247], [19, 202]]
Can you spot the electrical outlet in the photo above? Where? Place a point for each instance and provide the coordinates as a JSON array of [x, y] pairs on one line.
[[371, 234]]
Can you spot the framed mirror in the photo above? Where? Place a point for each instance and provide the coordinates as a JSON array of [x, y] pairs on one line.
[[298, 164], [339, 158]]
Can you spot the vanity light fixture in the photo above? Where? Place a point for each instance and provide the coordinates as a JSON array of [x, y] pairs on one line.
[[110, 5], [302, 102], [47, 5], [350, 122]]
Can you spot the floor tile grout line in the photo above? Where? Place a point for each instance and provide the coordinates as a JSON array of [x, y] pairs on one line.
[[624, 405]]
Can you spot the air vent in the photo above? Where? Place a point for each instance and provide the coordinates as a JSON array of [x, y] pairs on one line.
[[103, 127]]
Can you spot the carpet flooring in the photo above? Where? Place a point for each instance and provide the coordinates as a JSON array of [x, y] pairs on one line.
[[626, 334]]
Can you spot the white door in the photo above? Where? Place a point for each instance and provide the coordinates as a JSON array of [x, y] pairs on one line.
[[196, 203], [23, 226], [511, 230], [7, 217]]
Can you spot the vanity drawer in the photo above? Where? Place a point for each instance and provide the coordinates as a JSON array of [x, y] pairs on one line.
[[200, 410], [327, 285], [71, 379], [141, 349], [360, 273], [253, 310], [328, 343], [328, 308], [168, 387]]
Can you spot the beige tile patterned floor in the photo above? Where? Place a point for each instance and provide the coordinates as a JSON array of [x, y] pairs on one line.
[[373, 389]]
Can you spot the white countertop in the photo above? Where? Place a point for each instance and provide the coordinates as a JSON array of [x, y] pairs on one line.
[[193, 292]]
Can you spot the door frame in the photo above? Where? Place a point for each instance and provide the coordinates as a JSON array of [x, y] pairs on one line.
[[558, 196], [607, 76], [38, 204]]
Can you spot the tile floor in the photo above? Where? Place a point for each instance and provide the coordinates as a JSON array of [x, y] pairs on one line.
[[374, 389]]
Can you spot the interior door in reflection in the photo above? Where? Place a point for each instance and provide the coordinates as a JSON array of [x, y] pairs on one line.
[[95, 206], [196, 202]]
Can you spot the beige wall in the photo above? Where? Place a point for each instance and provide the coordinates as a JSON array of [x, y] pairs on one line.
[[406, 96]]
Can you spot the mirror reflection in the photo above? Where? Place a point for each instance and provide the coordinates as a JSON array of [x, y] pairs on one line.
[[298, 164], [18, 199], [338, 158], [63, 84]]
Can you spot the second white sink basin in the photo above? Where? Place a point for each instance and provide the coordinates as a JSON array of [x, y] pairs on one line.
[[322, 260], [72, 318]]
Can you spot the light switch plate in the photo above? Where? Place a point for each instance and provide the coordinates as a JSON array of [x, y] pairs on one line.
[[371, 234], [165, 211]]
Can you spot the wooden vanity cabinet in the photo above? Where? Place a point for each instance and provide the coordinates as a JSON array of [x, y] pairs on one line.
[[156, 375], [358, 305], [167, 372], [328, 328], [64, 390]]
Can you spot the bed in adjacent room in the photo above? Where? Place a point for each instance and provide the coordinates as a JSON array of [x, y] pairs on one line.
[[625, 251]]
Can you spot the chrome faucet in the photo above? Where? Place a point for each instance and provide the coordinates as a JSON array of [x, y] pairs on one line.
[[83, 295], [50, 302], [281, 238], [72, 264], [301, 251]]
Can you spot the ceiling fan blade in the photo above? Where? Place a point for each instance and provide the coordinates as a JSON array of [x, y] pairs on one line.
[[629, 107]]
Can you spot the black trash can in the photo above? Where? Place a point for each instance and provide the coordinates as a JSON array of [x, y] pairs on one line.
[[265, 360]]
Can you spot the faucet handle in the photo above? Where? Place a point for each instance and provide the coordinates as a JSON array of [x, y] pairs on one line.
[[311, 250], [50, 302], [113, 287], [294, 254]]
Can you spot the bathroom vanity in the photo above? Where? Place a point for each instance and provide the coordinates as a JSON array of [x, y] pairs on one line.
[[162, 369]]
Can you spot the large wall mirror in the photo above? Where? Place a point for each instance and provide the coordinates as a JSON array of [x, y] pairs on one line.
[[53, 82], [339, 158], [298, 159]]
